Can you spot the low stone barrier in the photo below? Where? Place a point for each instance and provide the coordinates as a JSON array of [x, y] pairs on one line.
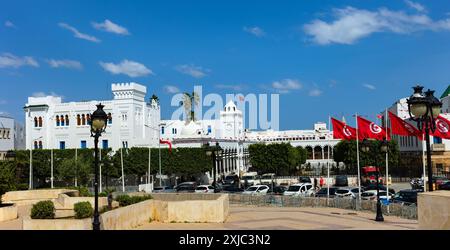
[[127, 217], [434, 210], [68, 202], [8, 212], [57, 224], [29, 197]]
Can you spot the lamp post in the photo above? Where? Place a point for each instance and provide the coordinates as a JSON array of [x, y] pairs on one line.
[[424, 108], [215, 152], [365, 147], [98, 126]]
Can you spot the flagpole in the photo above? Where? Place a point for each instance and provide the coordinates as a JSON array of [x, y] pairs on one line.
[[328, 162], [423, 163], [387, 159], [357, 158]]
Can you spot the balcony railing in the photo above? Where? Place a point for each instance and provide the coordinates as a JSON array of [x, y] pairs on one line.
[[438, 147]]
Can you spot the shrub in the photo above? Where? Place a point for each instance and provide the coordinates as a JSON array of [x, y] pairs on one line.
[[83, 210], [43, 210], [126, 200]]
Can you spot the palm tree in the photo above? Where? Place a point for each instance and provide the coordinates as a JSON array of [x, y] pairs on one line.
[[189, 103]]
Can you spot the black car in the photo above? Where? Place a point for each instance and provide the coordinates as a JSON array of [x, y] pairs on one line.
[[323, 192], [231, 189], [186, 187], [277, 190], [341, 181], [373, 186], [304, 179], [231, 180], [406, 197], [445, 186]]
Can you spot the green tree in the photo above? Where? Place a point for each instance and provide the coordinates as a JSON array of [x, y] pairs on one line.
[[189, 103]]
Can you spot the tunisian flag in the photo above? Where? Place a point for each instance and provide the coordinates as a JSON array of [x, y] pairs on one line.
[[368, 129], [442, 128], [342, 131], [400, 127], [166, 142]]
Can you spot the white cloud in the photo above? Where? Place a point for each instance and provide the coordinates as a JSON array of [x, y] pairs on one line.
[[10, 24], [71, 64], [232, 87], [109, 26], [171, 89], [352, 24], [369, 86], [315, 92], [256, 31], [130, 68], [78, 34], [286, 85], [43, 94], [417, 6], [192, 70], [10, 60]]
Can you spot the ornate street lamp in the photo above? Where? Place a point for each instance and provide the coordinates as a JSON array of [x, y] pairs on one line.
[[424, 108], [98, 126], [214, 151]]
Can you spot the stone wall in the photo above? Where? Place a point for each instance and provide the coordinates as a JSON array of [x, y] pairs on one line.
[[32, 196], [8, 212], [57, 224], [434, 210]]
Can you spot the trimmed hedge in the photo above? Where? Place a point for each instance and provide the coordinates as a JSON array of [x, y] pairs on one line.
[[43, 210], [126, 200], [83, 210]]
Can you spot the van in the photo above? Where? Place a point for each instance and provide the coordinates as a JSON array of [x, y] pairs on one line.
[[249, 179]]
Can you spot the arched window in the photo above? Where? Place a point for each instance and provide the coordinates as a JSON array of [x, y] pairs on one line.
[[109, 118], [67, 120], [88, 118], [62, 121], [83, 119], [35, 122], [40, 121], [78, 120], [35, 145], [234, 108], [57, 121], [40, 144]]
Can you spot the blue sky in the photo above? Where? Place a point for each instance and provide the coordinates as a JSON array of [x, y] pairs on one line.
[[323, 57]]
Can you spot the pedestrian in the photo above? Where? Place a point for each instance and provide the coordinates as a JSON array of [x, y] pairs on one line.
[[315, 183], [321, 182]]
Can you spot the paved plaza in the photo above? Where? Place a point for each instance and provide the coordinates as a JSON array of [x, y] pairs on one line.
[[283, 218]]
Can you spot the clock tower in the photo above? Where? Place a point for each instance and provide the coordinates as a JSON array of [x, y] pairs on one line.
[[231, 122]]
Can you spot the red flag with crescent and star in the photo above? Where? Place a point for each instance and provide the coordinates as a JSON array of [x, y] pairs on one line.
[[400, 127], [442, 128], [342, 130], [369, 129]]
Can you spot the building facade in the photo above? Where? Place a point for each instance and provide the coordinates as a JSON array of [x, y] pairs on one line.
[[12, 135]]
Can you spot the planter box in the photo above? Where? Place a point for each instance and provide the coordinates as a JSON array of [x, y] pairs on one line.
[[57, 224], [8, 212], [29, 197], [433, 210]]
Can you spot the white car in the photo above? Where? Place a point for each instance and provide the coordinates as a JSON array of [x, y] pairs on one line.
[[301, 189], [257, 190], [204, 189], [372, 195], [348, 192]]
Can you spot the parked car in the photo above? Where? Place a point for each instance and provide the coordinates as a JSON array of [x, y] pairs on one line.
[[323, 192], [204, 189], [406, 197], [301, 189], [372, 195], [232, 179], [348, 192], [186, 187], [341, 181], [277, 190], [249, 179], [232, 189], [304, 179], [373, 186], [445, 186], [163, 189], [439, 180], [257, 190]]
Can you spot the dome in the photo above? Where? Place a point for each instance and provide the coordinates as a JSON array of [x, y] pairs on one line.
[[191, 129]]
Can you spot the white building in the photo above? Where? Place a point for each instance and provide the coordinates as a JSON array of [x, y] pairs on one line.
[[51, 123], [12, 135]]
